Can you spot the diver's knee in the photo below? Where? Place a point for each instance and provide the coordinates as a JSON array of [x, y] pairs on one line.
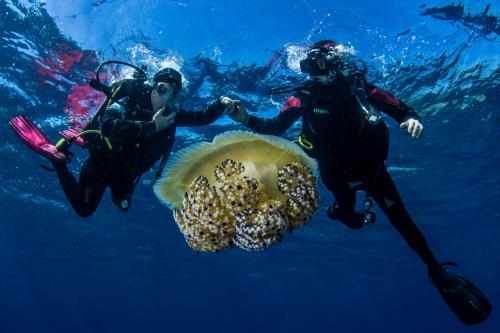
[[351, 218], [348, 218], [123, 204]]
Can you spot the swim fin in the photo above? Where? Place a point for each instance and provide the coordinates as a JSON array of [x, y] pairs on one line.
[[33, 137], [468, 303]]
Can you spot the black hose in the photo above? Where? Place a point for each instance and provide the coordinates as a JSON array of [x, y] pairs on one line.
[[139, 69]]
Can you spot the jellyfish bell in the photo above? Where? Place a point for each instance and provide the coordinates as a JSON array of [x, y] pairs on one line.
[[261, 156]]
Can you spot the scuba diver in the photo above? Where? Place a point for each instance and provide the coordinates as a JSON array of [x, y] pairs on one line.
[[133, 129], [343, 129], [483, 22]]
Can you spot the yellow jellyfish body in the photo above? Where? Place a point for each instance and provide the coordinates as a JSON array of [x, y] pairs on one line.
[[243, 189]]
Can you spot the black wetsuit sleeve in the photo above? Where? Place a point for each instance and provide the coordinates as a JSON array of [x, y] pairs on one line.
[[276, 125], [199, 118], [390, 104], [114, 126]]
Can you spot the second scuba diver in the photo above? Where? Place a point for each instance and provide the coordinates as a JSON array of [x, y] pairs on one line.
[[343, 130], [135, 129]]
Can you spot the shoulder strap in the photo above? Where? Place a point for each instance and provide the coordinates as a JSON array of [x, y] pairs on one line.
[[372, 115], [358, 81], [116, 91]]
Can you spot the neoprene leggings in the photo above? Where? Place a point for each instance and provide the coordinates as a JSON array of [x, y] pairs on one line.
[[338, 178], [85, 195]]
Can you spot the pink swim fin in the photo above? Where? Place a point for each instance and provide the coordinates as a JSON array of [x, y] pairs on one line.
[[33, 137]]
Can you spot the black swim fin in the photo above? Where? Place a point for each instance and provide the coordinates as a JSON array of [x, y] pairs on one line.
[[468, 303]]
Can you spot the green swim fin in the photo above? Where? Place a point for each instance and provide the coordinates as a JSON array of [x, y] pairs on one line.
[[468, 303]]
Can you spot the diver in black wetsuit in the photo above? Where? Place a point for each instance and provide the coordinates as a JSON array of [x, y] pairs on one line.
[[483, 22], [134, 136], [342, 129]]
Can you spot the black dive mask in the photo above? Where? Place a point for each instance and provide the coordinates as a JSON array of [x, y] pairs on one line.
[[312, 66], [319, 61]]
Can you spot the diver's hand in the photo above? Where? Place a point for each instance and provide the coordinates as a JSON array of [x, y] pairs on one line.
[[162, 121], [235, 110], [229, 103], [413, 127]]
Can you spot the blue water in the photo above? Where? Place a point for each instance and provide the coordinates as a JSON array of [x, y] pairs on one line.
[[133, 272]]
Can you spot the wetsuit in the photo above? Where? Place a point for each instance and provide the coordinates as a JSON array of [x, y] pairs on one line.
[[349, 149], [136, 147]]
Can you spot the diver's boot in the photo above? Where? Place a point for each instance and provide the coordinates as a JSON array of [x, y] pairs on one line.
[[468, 303]]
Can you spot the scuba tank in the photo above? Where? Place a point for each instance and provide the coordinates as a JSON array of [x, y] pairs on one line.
[[109, 91]]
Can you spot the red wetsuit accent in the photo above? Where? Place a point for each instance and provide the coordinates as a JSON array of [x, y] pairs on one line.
[[383, 96], [292, 101]]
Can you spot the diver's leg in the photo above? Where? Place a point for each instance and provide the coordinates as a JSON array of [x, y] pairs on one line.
[[85, 195], [336, 179], [468, 303], [385, 193]]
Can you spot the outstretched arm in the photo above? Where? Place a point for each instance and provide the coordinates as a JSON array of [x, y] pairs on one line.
[[275, 126], [407, 118], [199, 118]]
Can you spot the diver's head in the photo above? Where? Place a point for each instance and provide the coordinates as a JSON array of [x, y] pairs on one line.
[[167, 84], [321, 61]]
